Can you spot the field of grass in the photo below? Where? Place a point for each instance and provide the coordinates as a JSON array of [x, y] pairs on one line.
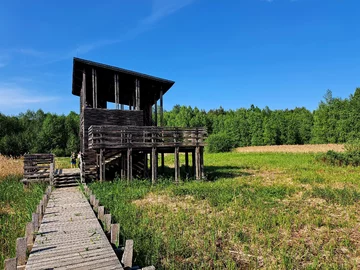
[[16, 205], [257, 210]]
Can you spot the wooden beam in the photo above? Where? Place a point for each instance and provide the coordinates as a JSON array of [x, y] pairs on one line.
[[197, 163], [129, 164], [154, 165], [202, 170], [161, 109], [127, 257], [137, 94], [100, 159], [94, 88], [155, 112], [187, 164], [177, 165]]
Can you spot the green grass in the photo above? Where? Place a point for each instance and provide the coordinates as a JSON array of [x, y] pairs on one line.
[[270, 210], [64, 163], [16, 206]]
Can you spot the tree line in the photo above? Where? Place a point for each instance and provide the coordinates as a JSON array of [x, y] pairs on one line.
[[335, 120]]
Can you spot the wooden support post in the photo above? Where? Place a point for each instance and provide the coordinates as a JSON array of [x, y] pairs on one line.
[[107, 222], [129, 164], [128, 254], [193, 164], [155, 113], [154, 165], [177, 164], [161, 109], [83, 91], [137, 94], [101, 212], [123, 167], [29, 234], [187, 164], [197, 162], [116, 88], [104, 168], [202, 170], [94, 88], [10, 264], [101, 165], [114, 234], [162, 163], [92, 199], [21, 251], [51, 173]]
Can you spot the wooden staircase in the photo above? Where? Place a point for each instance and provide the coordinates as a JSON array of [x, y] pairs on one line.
[[66, 177]]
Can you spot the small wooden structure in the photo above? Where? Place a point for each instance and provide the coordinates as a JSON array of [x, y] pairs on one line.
[[124, 139]]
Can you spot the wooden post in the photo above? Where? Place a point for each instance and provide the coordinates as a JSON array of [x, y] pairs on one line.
[[123, 167], [177, 164], [101, 165], [114, 236], [101, 212], [162, 163], [197, 162], [161, 109], [193, 163], [92, 199], [154, 165], [96, 205], [128, 254], [94, 87], [21, 251], [107, 222], [202, 171], [104, 168], [35, 221], [155, 112], [51, 173], [29, 234], [137, 94], [83, 90], [10, 264], [187, 164], [129, 164]]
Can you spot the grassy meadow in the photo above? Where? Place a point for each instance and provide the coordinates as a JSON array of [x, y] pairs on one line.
[[256, 210], [17, 203]]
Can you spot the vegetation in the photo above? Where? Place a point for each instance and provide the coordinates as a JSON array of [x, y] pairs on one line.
[[271, 210], [334, 121], [16, 206], [350, 157]]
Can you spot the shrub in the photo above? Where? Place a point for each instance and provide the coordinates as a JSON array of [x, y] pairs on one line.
[[219, 142]]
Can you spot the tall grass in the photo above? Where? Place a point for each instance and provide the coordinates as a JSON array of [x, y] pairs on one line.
[[270, 210], [16, 206]]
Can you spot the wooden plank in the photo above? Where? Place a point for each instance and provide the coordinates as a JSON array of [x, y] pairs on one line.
[[128, 254], [70, 236], [129, 164], [177, 164], [154, 165]]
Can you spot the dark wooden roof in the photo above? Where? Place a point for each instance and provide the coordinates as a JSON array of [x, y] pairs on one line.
[[150, 86]]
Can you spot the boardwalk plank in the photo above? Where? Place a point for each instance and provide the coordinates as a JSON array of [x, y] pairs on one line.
[[70, 236]]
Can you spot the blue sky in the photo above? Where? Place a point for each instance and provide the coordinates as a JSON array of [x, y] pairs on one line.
[[279, 53]]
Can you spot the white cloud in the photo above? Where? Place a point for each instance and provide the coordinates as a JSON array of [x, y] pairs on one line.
[[15, 96]]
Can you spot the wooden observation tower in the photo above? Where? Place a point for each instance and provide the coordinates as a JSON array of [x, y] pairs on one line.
[[127, 139]]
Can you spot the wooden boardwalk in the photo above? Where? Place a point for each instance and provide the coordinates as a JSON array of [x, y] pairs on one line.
[[70, 236]]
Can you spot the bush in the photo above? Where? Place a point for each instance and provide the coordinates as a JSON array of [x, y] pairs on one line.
[[333, 158], [220, 142]]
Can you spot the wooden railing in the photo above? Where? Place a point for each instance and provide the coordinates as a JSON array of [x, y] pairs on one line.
[[38, 167], [144, 137]]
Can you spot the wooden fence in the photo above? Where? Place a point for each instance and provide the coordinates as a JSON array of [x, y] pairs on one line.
[[39, 168], [108, 137]]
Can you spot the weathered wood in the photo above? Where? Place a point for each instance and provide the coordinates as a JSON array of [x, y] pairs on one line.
[[114, 237], [35, 221], [187, 164], [29, 233], [101, 158], [202, 169], [101, 212], [137, 94], [21, 248], [70, 236], [10, 264], [107, 222], [96, 205], [197, 163], [154, 165], [127, 257], [92, 199], [155, 113], [94, 88], [177, 164], [161, 109], [129, 164]]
